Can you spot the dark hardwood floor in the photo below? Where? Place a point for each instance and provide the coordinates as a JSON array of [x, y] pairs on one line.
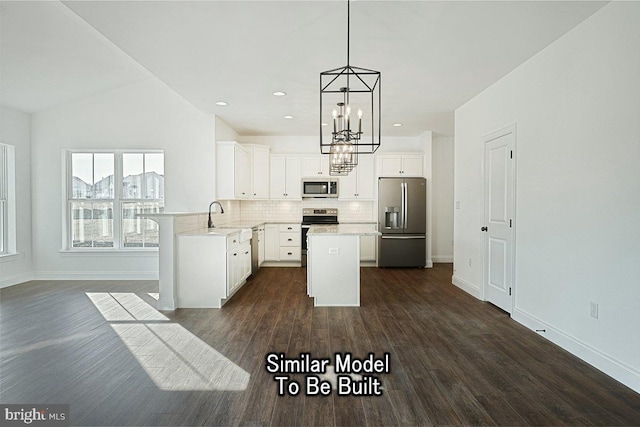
[[100, 347]]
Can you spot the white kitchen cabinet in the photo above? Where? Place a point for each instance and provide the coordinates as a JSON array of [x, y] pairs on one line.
[[261, 245], [359, 184], [368, 248], [271, 242], [285, 178], [401, 164], [211, 268], [315, 166], [233, 171], [282, 242], [259, 171]]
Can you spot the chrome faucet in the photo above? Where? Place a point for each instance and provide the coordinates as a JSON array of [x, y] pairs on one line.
[[215, 202]]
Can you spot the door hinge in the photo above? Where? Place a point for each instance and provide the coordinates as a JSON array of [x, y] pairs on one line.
[[511, 154], [509, 291], [510, 223]]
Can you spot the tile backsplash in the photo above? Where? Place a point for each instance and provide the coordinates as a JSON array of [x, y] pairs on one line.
[[271, 210]]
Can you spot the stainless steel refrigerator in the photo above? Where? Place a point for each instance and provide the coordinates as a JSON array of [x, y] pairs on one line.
[[402, 213]]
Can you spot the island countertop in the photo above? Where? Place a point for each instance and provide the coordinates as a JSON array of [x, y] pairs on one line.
[[343, 229]]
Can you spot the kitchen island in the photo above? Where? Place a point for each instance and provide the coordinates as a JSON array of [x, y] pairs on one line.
[[333, 263]]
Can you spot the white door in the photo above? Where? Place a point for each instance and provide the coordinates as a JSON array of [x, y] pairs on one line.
[[498, 214]]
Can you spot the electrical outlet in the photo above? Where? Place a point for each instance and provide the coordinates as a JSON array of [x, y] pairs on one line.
[[594, 310], [457, 205]]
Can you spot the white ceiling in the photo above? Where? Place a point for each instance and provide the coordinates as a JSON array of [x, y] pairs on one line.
[[434, 56]]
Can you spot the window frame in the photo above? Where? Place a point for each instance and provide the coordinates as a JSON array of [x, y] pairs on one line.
[[117, 201], [8, 228]]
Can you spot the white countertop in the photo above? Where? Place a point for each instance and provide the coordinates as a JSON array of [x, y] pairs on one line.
[[344, 229], [218, 231]]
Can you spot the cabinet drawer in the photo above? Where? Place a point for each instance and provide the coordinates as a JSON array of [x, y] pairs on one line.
[[290, 238], [289, 227], [289, 254], [233, 240]]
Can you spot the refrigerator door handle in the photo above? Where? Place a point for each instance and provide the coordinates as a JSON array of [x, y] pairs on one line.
[[405, 207]]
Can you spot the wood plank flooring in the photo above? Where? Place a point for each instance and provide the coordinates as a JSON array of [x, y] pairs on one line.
[[100, 347]]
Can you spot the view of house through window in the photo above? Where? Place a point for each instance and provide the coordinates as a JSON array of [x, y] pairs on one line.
[[108, 193]]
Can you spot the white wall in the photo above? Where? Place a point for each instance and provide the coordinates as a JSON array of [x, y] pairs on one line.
[[577, 107], [224, 132], [442, 199], [138, 116], [15, 130]]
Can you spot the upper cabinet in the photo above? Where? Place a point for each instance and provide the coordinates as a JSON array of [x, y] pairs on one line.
[[359, 184], [314, 166], [405, 164], [259, 171], [285, 177], [233, 163], [242, 171]]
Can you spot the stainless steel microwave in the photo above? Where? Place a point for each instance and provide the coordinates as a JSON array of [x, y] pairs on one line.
[[318, 188]]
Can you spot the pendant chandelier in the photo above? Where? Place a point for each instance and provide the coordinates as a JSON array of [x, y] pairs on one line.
[[349, 113]]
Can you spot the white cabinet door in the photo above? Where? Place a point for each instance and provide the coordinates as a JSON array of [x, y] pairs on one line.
[[242, 172], [315, 166], [359, 184], [260, 172], [261, 245], [277, 177], [271, 242], [285, 178], [233, 171], [401, 165], [232, 270], [293, 178], [412, 165], [349, 186], [390, 165], [245, 261], [366, 178], [367, 248]]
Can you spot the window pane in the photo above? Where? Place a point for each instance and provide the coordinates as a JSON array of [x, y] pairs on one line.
[[103, 170], [82, 175], [132, 171], [154, 176], [140, 232], [91, 224]]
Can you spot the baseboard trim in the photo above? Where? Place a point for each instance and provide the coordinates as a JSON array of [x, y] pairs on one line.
[[467, 287], [437, 259], [596, 358], [15, 279], [96, 275]]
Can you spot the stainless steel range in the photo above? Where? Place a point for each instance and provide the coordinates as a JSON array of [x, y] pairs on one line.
[[310, 217]]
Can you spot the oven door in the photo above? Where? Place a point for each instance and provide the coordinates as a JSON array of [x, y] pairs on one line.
[[303, 242]]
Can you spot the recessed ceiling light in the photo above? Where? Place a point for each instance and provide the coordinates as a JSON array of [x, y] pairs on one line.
[[288, 117], [279, 93], [221, 103], [397, 125]]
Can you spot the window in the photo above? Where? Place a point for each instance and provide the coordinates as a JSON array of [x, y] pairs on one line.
[[108, 191], [4, 199]]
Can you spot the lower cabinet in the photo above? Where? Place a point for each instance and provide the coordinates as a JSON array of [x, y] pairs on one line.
[[282, 242], [211, 268], [368, 248], [238, 266]]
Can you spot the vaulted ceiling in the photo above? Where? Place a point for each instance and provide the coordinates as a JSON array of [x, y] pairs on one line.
[[434, 56]]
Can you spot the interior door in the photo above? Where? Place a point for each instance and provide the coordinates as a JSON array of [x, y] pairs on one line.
[[498, 214]]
